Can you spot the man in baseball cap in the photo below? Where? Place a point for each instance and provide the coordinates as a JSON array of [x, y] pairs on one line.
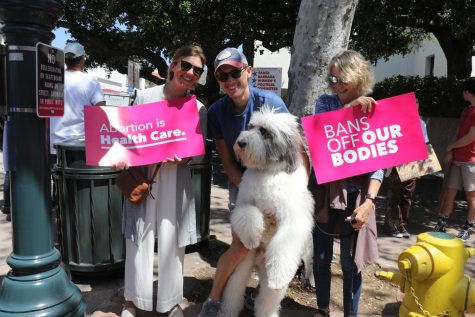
[[79, 90], [74, 50], [230, 56], [227, 117]]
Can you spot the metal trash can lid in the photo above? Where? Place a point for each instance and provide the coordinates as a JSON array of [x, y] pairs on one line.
[[71, 157], [74, 144]]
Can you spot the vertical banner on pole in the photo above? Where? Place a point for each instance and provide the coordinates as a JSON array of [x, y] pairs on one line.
[[133, 75]]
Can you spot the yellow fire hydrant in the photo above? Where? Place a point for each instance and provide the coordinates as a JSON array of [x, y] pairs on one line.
[[432, 277]]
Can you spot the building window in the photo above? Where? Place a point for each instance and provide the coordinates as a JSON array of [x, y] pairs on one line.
[[430, 65]]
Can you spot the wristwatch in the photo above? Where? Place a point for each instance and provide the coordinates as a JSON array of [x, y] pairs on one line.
[[370, 196]]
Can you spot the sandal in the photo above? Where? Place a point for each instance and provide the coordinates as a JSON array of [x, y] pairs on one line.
[[322, 313]]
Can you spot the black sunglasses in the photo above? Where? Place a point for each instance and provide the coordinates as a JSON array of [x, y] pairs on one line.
[[333, 80], [186, 66], [235, 73]]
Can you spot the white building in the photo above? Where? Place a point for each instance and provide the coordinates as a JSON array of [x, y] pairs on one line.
[[427, 60], [114, 86], [265, 58]]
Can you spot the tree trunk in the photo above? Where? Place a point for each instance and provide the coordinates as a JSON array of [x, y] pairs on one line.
[[323, 29], [458, 53]]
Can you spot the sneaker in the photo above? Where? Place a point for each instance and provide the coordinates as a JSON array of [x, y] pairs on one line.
[[9, 217], [404, 232], [396, 234], [390, 226], [249, 300], [210, 309], [441, 224], [128, 312], [464, 234], [176, 312], [440, 227]]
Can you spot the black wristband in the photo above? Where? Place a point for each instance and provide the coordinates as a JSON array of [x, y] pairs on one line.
[[370, 196]]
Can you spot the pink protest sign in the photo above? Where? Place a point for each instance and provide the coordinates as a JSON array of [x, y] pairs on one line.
[[143, 134], [347, 142]]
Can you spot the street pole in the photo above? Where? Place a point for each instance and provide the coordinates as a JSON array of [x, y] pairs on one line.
[[36, 285]]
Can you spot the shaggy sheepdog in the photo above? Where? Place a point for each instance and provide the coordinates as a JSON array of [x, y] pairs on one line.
[[274, 211]]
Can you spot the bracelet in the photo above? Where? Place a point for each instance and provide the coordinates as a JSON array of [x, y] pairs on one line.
[[370, 197]]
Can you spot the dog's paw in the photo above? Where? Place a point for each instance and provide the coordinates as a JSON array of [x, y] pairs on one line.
[[250, 238], [251, 242], [248, 223]]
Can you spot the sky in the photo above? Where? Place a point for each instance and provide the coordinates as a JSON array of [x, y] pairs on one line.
[[61, 36]]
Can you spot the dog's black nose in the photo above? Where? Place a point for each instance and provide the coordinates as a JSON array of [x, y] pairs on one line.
[[242, 144]]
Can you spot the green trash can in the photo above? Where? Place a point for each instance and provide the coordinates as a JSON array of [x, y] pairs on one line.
[[90, 212]]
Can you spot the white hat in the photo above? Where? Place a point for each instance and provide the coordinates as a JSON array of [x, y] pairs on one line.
[[74, 50]]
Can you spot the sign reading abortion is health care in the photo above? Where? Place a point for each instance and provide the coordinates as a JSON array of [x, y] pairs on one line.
[[143, 134], [347, 142]]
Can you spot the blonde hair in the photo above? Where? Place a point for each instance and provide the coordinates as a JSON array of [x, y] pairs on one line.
[[354, 68]]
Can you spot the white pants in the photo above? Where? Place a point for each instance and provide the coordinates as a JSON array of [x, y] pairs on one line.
[[139, 260]]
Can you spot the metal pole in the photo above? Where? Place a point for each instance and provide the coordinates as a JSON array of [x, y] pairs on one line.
[[36, 285]]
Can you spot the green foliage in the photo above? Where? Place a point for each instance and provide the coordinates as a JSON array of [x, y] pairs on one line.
[[437, 96], [382, 28], [149, 31]]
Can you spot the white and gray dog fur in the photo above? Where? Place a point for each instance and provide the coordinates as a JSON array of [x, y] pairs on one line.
[[274, 211]]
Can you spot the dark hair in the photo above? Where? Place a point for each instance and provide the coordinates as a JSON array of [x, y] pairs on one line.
[[469, 85], [188, 50], [72, 62]]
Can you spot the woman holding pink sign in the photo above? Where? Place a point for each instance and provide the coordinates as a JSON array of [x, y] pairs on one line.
[[169, 213], [345, 208]]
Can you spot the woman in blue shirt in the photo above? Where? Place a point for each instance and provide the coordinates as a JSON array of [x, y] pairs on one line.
[[344, 206]]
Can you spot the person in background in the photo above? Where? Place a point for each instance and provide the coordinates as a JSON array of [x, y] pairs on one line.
[[170, 215], [345, 209], [79, 90], [227, 117], [399, 198], [460, 164]]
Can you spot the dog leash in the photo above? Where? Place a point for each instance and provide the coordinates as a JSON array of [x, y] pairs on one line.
[[353, 273], [333, 235]]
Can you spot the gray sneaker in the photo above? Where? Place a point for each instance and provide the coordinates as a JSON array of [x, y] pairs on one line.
[[440, 227], [176, 312], [396, 234], [464, 234], [210, 309], [404, 232]]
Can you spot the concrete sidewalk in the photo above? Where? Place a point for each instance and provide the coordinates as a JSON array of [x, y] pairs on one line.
[[104, 295]]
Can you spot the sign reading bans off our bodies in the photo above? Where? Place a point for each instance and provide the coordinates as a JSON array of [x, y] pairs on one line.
[[143, 134], [347, 142]]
